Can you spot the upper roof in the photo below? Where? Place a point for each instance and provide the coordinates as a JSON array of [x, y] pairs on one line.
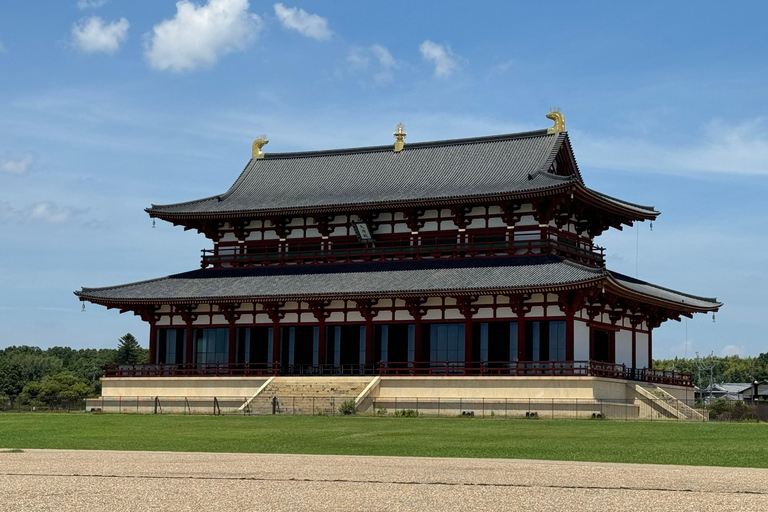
[[516, 163], [381, 279]]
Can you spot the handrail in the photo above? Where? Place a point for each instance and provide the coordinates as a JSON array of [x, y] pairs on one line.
[[410, 368], [401, 249]]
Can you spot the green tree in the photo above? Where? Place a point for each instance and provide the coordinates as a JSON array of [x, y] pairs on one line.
[[129, 351], [61, 385]]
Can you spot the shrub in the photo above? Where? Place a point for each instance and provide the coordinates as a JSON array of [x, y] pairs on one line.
[[348, 407], [406, 413]]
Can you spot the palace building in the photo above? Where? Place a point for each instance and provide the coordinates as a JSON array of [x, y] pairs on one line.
[[471, 258]]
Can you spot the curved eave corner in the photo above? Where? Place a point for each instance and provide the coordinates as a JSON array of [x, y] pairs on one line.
[[682, 302]]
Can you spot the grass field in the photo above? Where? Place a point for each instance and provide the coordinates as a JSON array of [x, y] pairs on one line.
[[712, 444]]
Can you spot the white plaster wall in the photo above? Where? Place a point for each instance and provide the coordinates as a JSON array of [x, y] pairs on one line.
[[641, 346], [624, 347], [580, 341]]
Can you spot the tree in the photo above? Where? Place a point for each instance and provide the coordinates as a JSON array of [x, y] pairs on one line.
[[129, 351]]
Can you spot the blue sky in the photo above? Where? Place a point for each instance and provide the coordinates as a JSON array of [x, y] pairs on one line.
[[108, 106]]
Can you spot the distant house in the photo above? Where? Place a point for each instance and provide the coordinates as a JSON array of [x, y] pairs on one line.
[[733, 391]]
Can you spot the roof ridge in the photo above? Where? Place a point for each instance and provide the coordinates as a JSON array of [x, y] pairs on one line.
[[408, 146]]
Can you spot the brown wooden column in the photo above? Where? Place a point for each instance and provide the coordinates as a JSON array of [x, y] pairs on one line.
[[367, 311], [319, 309], [466, 307], [275, 314]]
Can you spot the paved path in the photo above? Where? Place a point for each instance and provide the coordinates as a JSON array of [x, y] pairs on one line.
[[65, 480]]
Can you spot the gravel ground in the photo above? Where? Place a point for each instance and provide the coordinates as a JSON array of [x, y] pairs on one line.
[[64, 480]]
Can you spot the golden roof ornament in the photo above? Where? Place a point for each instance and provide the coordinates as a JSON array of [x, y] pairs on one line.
[[558, 118], [259, 143], [399, 137]]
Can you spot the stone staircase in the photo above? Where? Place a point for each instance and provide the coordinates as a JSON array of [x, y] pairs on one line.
[[665, 405], [306, 395]]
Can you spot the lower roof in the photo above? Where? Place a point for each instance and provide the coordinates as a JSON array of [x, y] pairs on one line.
[[432, 277]]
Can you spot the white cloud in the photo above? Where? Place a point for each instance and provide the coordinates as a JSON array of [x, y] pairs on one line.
[[90, 4], [310, 25], [360, 59], [199, 36], [721, 148], [95, 35], [19, 166], [46, 211], [49, 212], [732, 350], [441, 55]]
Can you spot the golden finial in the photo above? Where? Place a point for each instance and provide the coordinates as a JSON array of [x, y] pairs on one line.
[[259, 143], [400, 137], [558, 118]]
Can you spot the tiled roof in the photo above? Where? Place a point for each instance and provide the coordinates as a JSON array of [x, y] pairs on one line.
[[666, 294], [370, 279], [503, 164]]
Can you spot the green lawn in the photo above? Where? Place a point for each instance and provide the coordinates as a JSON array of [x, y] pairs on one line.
[[719, 444]]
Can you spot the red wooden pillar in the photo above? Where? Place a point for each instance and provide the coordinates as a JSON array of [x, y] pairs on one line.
[[417, 311], [369, 341], [417, 341], [468, 348], [276, 344], [519, 306], [569, 328], [152, 343], [365, 307], [521, 337], [275, 314], [189, 332], [319, 310], [321, 341], [650, 350], [466, 308], [232, 349]]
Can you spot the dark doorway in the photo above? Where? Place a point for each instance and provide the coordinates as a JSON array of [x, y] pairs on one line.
[[502, 341], [254, 344], [397, 343], [602, 346]]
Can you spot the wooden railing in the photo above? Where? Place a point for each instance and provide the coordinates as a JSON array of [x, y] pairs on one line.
[[433, 368], [397, 250]]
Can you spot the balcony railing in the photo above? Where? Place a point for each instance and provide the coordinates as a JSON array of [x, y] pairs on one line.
[[398, 250], [429, 368]]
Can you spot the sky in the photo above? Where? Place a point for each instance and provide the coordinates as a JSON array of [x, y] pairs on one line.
[[108, 106]]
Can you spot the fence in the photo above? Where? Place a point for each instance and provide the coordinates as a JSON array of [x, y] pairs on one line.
[[532, 408]]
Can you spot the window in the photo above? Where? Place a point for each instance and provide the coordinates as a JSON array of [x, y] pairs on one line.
[[211, 345], [545, 340], [170, 346], [446, 342]]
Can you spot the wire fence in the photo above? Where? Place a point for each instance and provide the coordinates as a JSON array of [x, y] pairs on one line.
[[529, 408]]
